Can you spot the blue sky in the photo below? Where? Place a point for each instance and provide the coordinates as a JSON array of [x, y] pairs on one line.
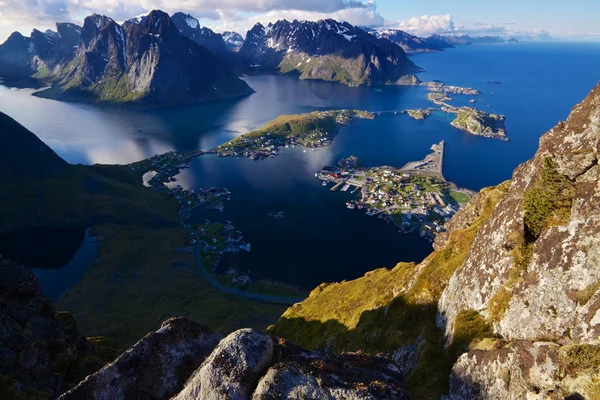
[[526, 19], [556, 16]]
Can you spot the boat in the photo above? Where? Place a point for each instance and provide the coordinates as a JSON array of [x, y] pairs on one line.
[[316, 175], [324, 183], [350, 206]]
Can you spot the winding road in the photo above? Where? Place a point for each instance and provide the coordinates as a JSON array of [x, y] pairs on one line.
[[236, 292]]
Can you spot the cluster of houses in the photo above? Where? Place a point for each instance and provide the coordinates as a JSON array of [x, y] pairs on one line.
[[397, 196]]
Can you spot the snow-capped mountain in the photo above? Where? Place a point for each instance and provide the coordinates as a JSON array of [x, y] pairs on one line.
[[326, 50], [190, 27], [233, 40]]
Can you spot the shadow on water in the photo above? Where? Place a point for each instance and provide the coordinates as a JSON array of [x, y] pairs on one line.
[[59, 258]]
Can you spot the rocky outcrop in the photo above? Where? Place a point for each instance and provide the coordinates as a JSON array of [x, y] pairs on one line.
[[325, 50], [41, 352], [156, 367], [232, 369], [249, 365], [527, 370], [535, 266]]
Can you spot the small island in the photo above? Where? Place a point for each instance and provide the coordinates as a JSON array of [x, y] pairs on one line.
[[312, 130], [480, 123], [438, 98], [419, 114]]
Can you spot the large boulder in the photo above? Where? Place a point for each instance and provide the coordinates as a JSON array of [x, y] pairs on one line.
[[156, 367], [300, 374], [232, 369]]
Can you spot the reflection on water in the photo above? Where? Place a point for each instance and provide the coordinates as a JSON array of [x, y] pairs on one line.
[[59, 258]]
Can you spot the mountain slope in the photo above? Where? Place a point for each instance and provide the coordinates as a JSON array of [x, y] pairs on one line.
[[519, 266], [325, 50], [190, 27], [54, 193]]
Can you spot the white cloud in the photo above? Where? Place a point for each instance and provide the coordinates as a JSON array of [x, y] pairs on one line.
[[356, 16], [426, 24]]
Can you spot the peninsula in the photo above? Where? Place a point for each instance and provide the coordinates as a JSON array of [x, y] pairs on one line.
[[312, 130]]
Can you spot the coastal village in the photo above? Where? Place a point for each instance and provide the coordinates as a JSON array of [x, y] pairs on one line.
[[214, 239], [415, 197]]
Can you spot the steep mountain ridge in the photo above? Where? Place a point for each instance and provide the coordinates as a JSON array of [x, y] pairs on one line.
[[325, 50]]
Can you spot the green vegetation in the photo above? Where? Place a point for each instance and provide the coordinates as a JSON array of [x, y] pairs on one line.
[[581, 362], [522, 252], [419, 114], [480, 122], [107, 350], [460, 197], [114, 89], [313, 130], [469, 325], [583, 296], [386, 309], [438, 97], [52, 193], [548, 202], [327, 67], [146, 275]]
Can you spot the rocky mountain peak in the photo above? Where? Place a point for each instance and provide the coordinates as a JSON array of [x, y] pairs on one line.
[[233, 40], [325, 49], [190, 27]]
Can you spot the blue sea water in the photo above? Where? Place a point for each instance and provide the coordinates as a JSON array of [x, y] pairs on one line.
[[320, 240]]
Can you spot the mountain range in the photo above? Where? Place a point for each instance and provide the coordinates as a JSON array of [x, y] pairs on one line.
[[157, 59], [325, 50]]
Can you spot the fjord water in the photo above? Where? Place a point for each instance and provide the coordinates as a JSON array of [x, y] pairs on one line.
[[320, 240]]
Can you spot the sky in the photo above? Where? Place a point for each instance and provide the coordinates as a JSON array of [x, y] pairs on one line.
[[525, 19]]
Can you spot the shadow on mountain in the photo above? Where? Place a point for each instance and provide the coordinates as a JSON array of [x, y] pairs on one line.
[[45, 248], [406, 330]]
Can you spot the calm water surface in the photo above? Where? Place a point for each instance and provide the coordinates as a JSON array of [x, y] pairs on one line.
[[320, 240]]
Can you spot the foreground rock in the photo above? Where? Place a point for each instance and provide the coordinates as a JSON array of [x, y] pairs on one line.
[[41, 352], [527, 370], [232, 369], [156, 367]]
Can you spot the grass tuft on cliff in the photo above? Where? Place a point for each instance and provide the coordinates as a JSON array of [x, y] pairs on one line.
[[549, 201]]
